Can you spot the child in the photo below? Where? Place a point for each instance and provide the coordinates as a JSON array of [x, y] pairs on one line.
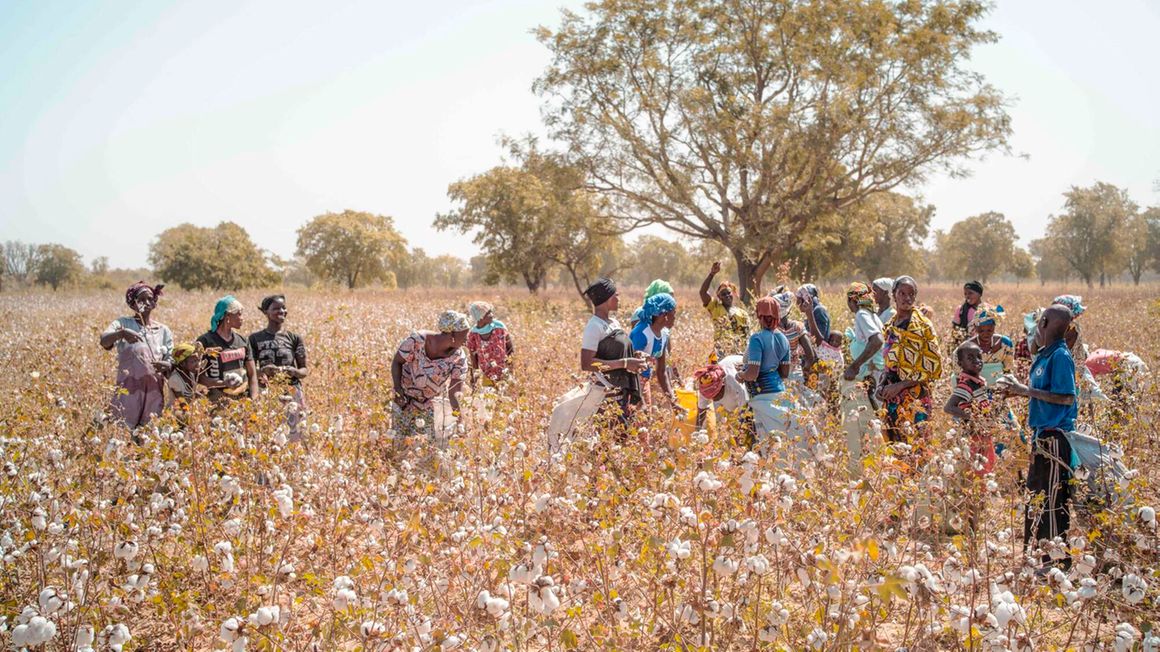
[[182, 381], [971, 398]]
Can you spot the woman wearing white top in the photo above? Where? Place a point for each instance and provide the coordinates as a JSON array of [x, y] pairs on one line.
[[606, 350], [144, 348], [865, 348]]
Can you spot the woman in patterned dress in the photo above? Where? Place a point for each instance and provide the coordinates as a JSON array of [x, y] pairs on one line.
[[427, 365], [489, 344], [144, 348], [912, 364]]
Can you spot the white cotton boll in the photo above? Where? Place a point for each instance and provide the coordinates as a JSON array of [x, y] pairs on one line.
[[51, 600], [223, 548], [1134, 588], [344, 598], [1147, 516], [116, 636], [688, 516], [228, 632], [125, 550], [200, 564], [1125, 637], [724, 566], [227, 564], [757, 564], [544, 600], [233, 527], [84, 638], [680, 549], [239, 644], [371, 629], [1151, 642], [37, 631], [285, 499], [1087, 588], [706, 482], [817, 638], [265, 616]]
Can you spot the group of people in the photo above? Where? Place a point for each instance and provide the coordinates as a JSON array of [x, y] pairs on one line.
[[222, 364], [769, 373]]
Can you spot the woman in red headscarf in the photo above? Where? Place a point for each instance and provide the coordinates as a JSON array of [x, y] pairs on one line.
[[144, 350]]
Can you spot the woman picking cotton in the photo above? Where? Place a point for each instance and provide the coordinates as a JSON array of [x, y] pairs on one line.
[[719, 388], [730, 321], [857, 383], [427, 365], [144, 350], [607, 352], [817, 318], [651, 337], [912, 364], [767, 367], [228, 371], [281, 355], [489, 345], [802, 354]]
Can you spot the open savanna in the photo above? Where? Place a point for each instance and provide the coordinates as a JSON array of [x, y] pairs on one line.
[[222, 535]]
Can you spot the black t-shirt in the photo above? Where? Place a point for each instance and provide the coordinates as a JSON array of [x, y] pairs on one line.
[[283, 349], [223, 356]]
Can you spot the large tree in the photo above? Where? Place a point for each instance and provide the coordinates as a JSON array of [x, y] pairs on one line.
[[217, 258], [526, 217], [351, 247], [977, 247], [19, 262], [57, 265], [1139, 247], [754, 122], [1087, 234], [1050, 265]]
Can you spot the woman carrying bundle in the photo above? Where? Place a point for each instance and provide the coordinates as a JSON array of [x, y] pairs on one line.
[[228, 371], [912, 363]]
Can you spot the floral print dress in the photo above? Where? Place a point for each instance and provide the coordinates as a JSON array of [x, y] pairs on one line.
[[424, 379]]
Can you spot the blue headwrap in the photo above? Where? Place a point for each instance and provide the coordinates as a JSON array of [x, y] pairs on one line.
[[657, 304], [220, 309]]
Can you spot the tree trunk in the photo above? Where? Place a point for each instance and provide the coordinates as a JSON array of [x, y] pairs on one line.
[[745, 275], [1103, 279], [533, 283], [579, 287]]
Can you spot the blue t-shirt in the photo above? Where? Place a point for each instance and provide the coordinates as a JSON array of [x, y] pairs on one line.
[[647, 342], [822, 319], [1054, 371], [768, 349]]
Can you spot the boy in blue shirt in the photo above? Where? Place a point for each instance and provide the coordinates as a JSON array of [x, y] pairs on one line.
[[1052, 412]]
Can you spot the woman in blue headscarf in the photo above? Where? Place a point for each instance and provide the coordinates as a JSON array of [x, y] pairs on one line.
[[651, 337]]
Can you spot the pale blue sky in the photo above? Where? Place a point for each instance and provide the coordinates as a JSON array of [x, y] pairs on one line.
[[123, 118]]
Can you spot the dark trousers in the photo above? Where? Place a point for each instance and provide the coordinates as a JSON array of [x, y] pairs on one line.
[[1048, 512]]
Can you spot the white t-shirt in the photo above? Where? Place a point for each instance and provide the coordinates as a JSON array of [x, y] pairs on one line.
[[595, 330], [866, 325], [735, 393]]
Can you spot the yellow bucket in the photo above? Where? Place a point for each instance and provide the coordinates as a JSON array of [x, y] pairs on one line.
[[687, 399]]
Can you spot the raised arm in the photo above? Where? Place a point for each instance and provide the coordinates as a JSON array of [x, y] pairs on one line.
[[708, 282]]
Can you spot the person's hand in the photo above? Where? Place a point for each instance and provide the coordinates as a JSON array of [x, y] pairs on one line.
[[131, 337], [400, 399], [1008, 385], [851, 373], [234, 381], [269, 370], [633, 365], [162, 367], [715, 268], [891, 391]]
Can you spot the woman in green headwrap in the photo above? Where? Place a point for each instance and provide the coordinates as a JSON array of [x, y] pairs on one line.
[[228, 368]]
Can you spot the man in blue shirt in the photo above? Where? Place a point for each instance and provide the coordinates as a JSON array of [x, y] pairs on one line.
[[1052, 412]]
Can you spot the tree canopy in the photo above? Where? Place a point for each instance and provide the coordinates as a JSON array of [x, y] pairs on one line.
[[352, 247], [754, 122], [1088, 234], [979, 247], [217, 258], [57, 265]]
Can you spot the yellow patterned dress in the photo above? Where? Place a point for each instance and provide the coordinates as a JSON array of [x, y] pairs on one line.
[[911, 353]]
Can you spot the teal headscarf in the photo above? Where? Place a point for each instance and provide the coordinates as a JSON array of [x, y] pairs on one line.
[[657, 304], [224, 305], [658, 286]]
